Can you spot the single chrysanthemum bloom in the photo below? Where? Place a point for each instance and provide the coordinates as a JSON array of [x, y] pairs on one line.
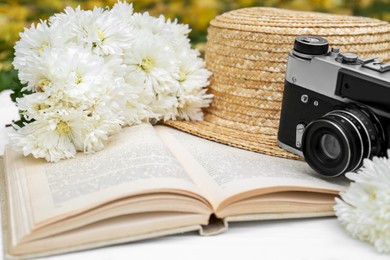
[[153, 60], [177, 34], [37, 105], [193, 79], [192, 74], [99, 30], [164, 107], [190, 104], [149, 24], [174, 33], [33, 42], [123, 11], [364, 208], [49, 139], [136, 102], [73, 71], [85, 76], [60, 136]]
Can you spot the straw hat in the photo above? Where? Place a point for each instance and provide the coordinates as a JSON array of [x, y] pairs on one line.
[[247, 52]]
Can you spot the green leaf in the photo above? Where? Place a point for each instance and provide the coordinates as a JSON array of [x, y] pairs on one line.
[[9, 80]]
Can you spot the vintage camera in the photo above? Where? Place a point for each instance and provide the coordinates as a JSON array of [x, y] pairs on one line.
[[336, 107]]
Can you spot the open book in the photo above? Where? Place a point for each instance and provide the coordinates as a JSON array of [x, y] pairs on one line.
[[147, 182]]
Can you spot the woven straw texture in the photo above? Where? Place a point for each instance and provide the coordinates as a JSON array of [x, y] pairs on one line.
[[247, 52]]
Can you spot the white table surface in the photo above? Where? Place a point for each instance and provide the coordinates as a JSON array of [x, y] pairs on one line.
[[302, 239]]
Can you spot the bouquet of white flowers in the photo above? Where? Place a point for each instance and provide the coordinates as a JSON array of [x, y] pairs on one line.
[[90, 72]]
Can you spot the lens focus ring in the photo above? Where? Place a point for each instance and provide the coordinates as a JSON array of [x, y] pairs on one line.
[[339, 141]]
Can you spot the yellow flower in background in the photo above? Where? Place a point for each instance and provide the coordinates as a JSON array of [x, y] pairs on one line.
[[365, 3], [17, 14]]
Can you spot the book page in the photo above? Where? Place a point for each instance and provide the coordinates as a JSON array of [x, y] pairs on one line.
[[233, 171], [134, 162]]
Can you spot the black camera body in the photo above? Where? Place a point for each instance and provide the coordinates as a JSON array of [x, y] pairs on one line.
[[336, 107]]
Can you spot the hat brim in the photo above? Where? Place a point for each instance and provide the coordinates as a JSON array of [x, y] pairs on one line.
[[211, 130]]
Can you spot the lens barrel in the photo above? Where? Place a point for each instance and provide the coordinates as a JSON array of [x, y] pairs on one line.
[[339, 141]]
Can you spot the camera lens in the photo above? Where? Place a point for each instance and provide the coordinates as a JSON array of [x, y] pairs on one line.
[[330, 146], [339, 141]]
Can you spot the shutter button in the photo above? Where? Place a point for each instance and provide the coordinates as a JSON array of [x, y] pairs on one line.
[[347, 57]]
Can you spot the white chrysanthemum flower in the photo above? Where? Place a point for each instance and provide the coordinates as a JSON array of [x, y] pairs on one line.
[[172, 32], [153, 61], [94, 140], [36, 105], [123, 11], [164, 107], [193, 74], [177, 34], [33, 42], [82, 74], [365, 206], [99, 30], [149, 24], [60, 136], [178, 29], [190, 105], [42, 139], [136, 102], [74, 71], [193, 78]]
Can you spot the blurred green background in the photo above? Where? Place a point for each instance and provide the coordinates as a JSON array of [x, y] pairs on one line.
[[17, 14]]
